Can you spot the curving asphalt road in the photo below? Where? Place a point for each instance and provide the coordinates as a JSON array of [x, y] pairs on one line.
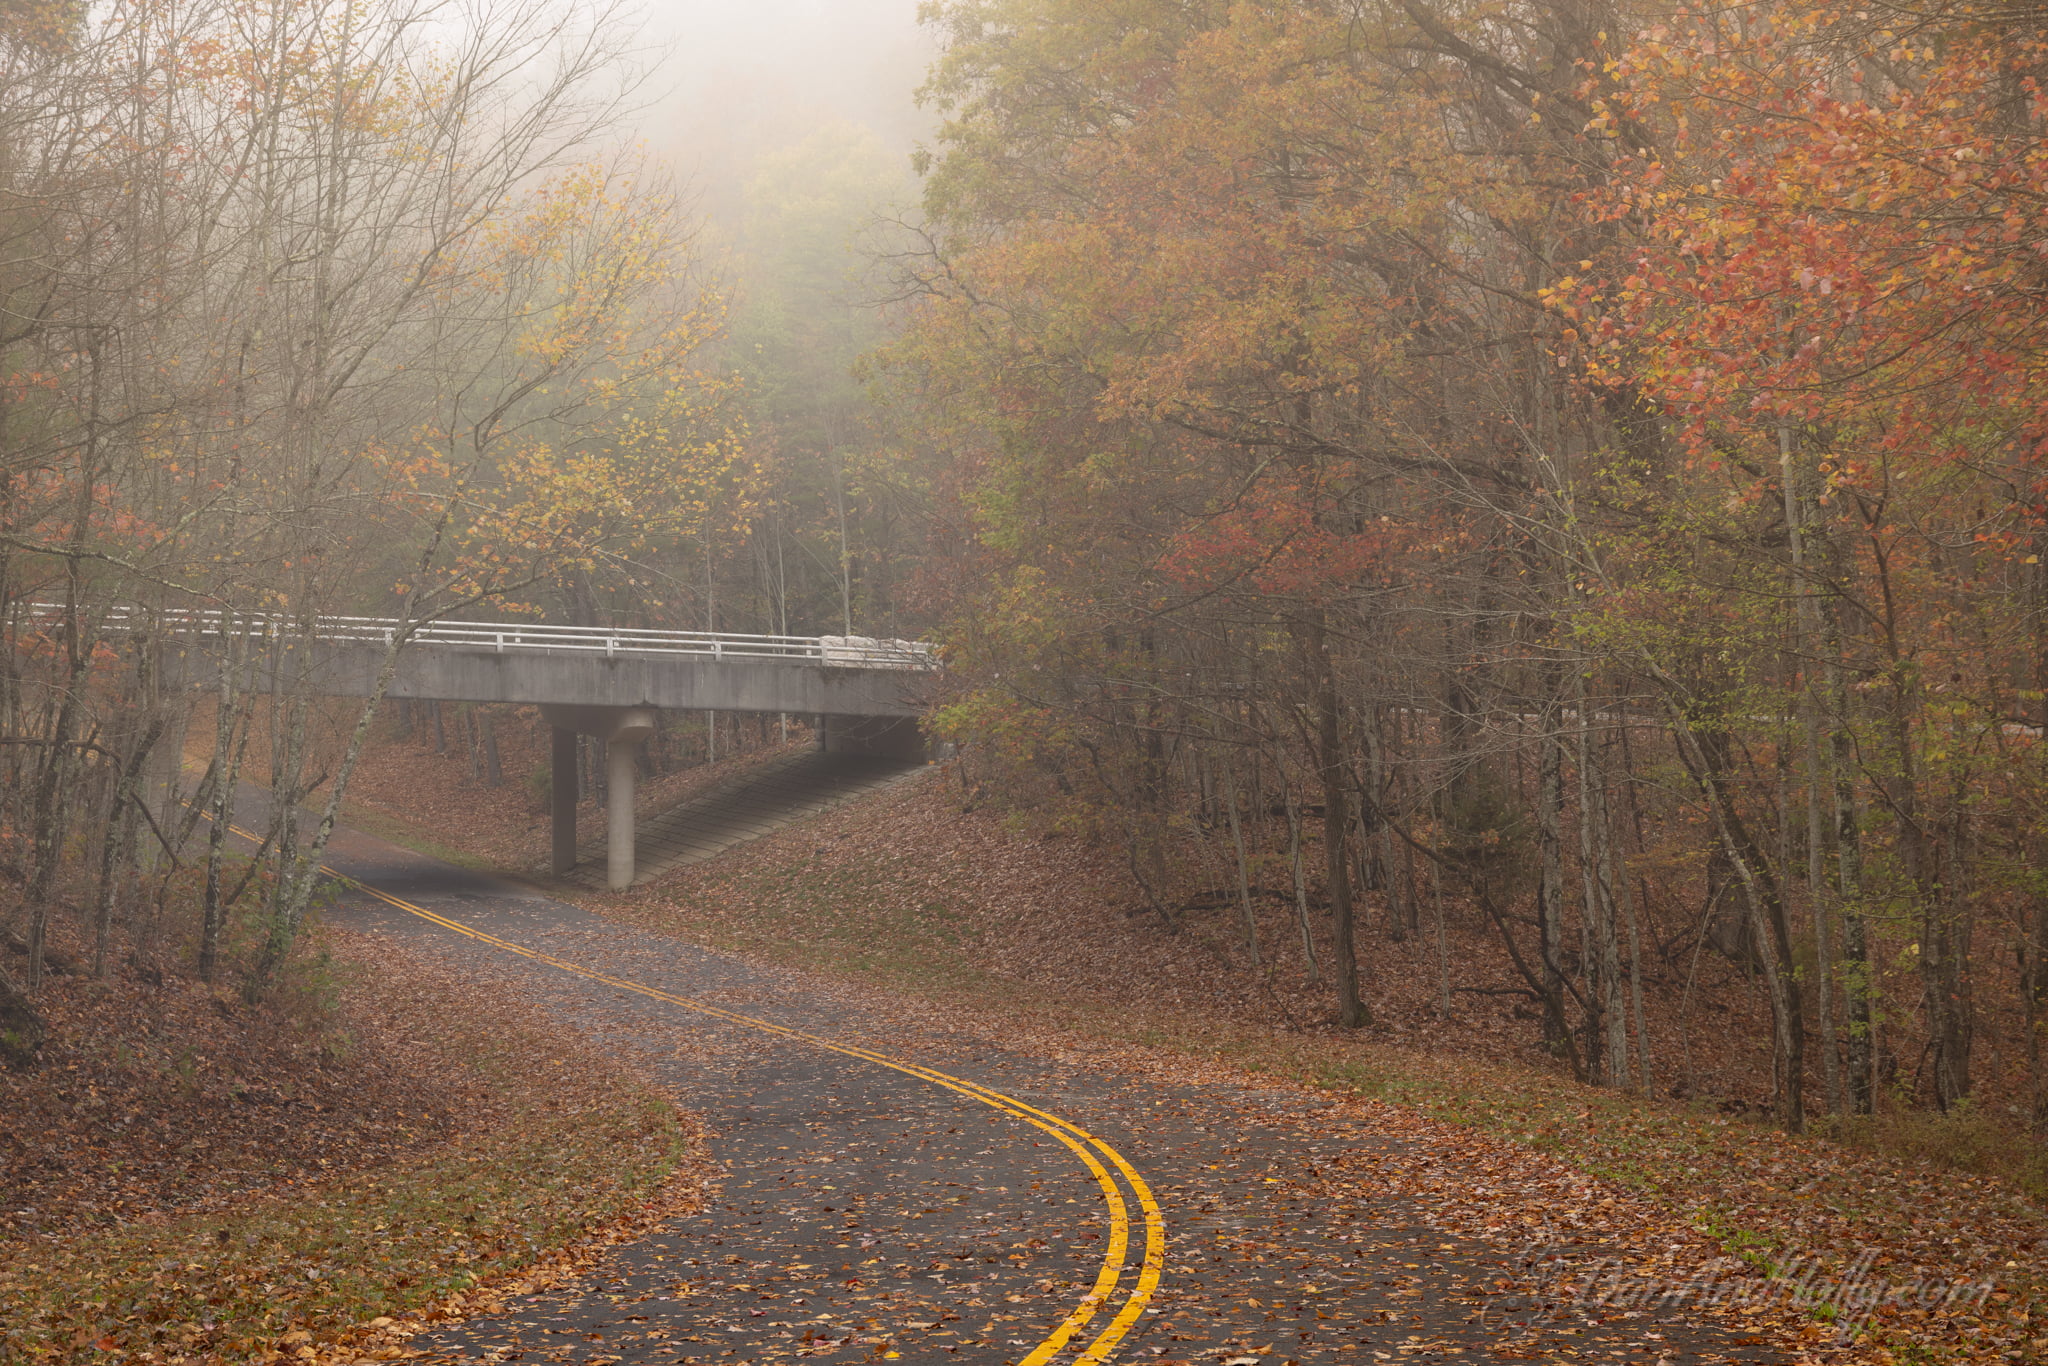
[[896, 1190]]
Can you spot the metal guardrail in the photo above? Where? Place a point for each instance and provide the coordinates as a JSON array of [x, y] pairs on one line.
[[505, 637]]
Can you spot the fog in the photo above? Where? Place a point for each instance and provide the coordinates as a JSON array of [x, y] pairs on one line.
[[737, 81]]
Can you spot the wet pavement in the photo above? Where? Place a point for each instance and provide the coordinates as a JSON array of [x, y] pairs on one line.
[[870, 1213]]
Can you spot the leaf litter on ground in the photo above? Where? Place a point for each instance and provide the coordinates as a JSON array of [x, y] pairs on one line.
[[194, 1180]]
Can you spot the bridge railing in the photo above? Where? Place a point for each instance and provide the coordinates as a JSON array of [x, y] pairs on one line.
[[502, 637]]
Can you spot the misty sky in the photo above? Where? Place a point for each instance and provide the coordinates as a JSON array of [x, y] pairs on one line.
[[747, 76]]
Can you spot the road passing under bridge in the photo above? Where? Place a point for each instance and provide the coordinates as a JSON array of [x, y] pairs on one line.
[[864, 695]]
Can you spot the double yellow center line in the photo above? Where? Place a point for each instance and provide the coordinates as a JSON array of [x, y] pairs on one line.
[[1103, 1162]]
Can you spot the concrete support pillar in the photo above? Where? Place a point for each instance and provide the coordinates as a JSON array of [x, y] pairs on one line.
[[620, 728], [562, 798], [618, 757]]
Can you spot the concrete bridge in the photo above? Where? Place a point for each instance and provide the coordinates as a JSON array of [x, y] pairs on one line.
[[863, 695]]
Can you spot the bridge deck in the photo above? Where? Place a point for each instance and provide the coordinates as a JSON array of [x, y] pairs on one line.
[[500, 637]]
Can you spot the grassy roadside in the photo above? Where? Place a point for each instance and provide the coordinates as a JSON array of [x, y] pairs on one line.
[[846, 916], [332, 1267]]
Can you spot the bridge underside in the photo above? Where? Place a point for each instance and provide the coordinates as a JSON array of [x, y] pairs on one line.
[[614, 697]]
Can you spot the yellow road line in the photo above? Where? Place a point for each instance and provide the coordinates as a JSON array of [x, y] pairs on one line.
[[1073, 1136], [1155, 1221]]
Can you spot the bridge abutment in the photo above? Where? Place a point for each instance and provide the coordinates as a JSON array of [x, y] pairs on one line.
[[887, 737]]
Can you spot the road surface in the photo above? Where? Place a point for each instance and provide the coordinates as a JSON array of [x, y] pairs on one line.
[[897, 1189]]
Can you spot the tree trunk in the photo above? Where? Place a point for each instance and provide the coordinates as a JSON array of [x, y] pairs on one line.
[[51, 811], [1308, 938], [300, 875], [1940, 973], [1443, 946], [2034, 990], [1606, 1019], [1765, 907], [1635, 974], [1609, 982], [1550, 884], [230, 740], [1808, 639], [1314, 636], [1244, 889], [117, 844], [1861, 1060]]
